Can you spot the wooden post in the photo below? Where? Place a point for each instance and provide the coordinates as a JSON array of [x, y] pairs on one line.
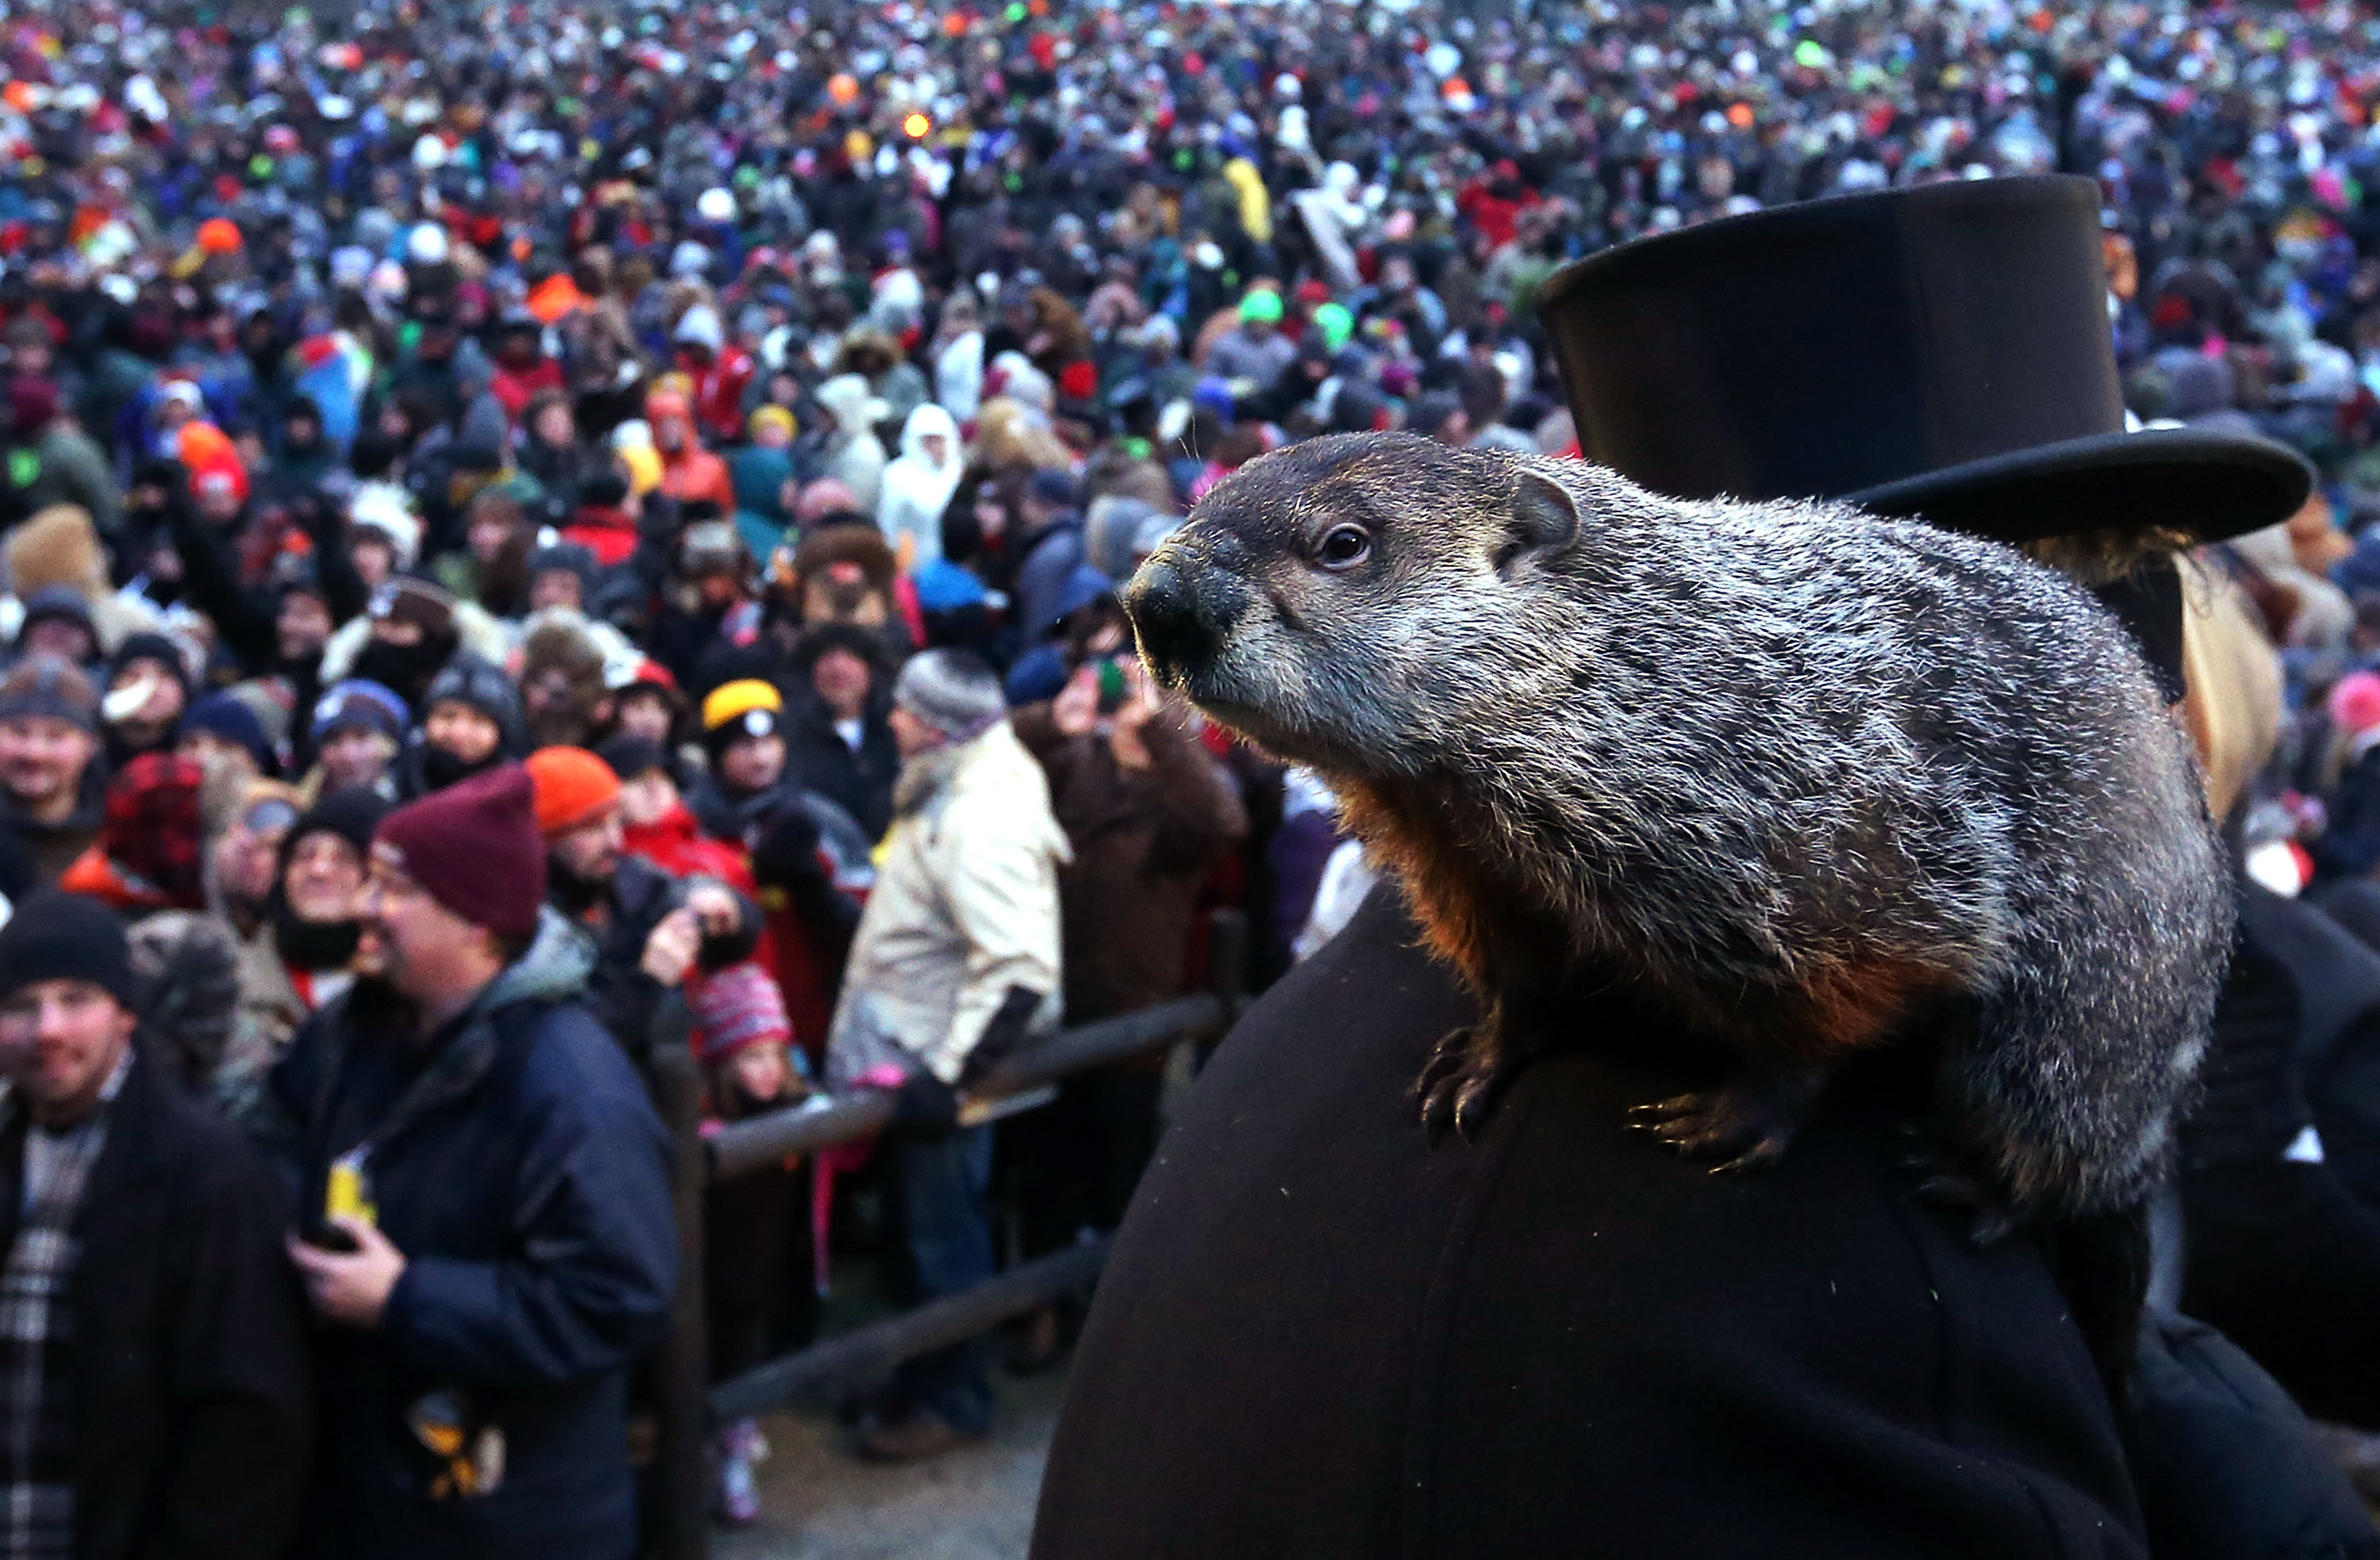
[[679, 1527]]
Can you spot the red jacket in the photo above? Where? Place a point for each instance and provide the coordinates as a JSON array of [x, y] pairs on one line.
[[608, 534], [718, 388]]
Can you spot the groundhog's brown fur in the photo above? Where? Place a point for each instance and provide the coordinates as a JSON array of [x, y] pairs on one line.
[[1800, 775]]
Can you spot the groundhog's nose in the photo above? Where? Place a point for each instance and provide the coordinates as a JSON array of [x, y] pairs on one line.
[[1163, 601]]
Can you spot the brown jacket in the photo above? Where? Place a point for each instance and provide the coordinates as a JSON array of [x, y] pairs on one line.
[[1144, 842]]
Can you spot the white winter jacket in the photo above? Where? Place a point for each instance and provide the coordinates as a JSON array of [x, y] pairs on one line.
[[965, 907]]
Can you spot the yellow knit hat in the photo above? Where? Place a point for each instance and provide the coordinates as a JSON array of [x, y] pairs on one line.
[[733, 701]]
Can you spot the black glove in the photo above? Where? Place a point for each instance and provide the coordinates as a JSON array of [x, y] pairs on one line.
[[925, 1102], [1003, 1034]]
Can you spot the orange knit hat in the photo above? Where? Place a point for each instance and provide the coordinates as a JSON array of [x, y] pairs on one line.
[[572, 788]]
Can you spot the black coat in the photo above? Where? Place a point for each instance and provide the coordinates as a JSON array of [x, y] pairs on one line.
[[859, 781], [2282, 1252], [189, 1356], [520, 1167], [1318, 1337]]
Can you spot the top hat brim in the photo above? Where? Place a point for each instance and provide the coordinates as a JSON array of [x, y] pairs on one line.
[[2203, 483]]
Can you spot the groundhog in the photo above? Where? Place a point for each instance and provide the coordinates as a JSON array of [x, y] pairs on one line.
[[1803, 778]]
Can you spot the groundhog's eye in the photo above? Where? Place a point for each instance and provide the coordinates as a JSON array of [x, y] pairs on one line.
[[1343, 547]]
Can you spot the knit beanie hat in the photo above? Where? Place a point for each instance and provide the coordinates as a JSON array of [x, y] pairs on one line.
[[359, 704], [736, 1007], [573, 788], [481, 685], [47, 686], [57, 603], [151, 647], [952, 690], [732, 711], [228, 716], [352, 813], [628, 756], [474, 848], [58, 935]]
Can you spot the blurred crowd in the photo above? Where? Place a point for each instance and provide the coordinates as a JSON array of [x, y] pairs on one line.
[[651, 484]]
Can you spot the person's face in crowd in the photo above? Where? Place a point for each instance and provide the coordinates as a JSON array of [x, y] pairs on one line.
[[554, 425], [591, 851], [160, 704], [374, 559], [43, 759], [59, 638], [842, 681], [549, 702], [486, 537], [754, 763], [59, 1042], [423, 949], [937, 447], [760, 1072], [990, 514], [466, 733], [174, 413], [1397, 275], [355, 755], [301, 433], [325, 878], [302, 628], [518, 350], [248, 851], [771, 436], [913, 736], [217, 756], [669, 434], [719, 585], [33, 360], [646, 713], [218, 501], [556, 587], [647, 799]]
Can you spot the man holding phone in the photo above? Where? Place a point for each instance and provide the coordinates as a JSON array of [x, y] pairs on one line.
[[501, 1245]]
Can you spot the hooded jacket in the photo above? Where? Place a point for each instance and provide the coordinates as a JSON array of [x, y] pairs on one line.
[[918, 488], [514, 1159], [965, 910]]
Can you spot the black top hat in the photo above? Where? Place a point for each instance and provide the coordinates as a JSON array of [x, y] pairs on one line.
[[1942, 352]]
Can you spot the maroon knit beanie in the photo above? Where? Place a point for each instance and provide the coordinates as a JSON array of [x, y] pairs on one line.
[[474, 848]]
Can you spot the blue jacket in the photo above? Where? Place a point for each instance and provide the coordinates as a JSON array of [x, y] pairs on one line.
[[516, 1162]]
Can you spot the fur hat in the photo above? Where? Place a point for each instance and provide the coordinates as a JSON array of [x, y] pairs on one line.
[[865, 546], [58, 546]]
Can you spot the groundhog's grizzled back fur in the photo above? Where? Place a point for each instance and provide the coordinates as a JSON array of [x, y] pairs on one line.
[[1805, 771]]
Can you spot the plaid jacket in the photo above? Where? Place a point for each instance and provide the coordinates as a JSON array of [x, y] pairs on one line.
[[37, 1410]]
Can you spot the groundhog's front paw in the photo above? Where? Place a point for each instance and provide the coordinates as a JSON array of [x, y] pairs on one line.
[[1744, 1126], [1950, 1178], [1458, 1086]]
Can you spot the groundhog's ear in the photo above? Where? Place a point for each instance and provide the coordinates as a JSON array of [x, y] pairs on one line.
[[1544, 520]]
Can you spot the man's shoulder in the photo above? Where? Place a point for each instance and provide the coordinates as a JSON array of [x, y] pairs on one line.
[[568, 1059]]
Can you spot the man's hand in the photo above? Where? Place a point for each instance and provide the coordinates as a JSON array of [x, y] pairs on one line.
[[670, 951], [350, 1287], [715, 907]]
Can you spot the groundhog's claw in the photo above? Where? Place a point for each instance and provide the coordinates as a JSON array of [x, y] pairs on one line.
[[1944, 1179], [1718, 1125], [1458, 1085]]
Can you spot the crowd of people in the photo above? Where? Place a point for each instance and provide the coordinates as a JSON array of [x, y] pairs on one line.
[[514, 516]]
